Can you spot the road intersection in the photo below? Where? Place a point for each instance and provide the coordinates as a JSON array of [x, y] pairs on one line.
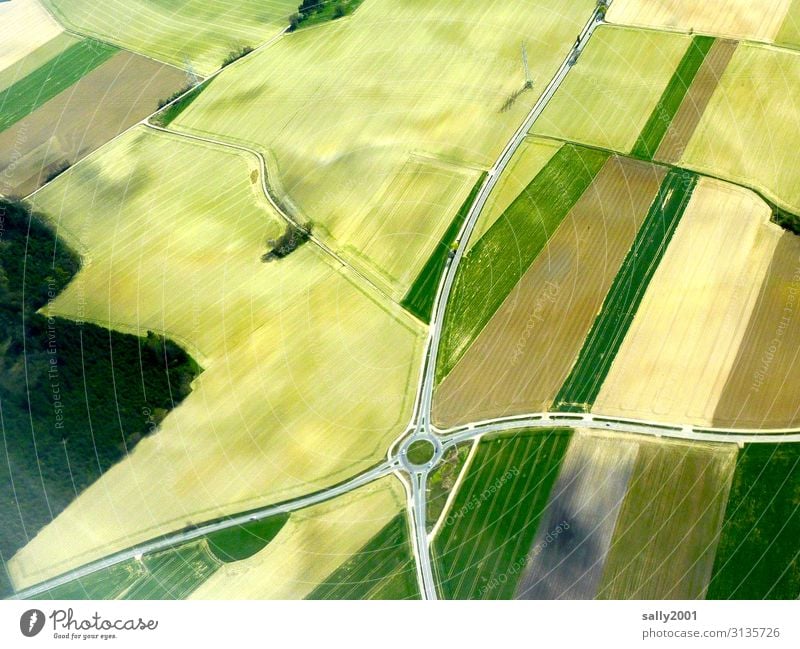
[[414, 476]]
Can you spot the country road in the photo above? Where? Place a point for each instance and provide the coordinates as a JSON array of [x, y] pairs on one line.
[[421, 421], [420, 426]]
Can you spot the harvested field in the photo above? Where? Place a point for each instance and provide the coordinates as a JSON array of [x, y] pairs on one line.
[[24, 27], [531, 157], [695, 101], [666, 535], [340, 110], [383, 569], [480, 549], [762, 387], [307, 378], [674, 362], [84, 116], [675, 92], [620, 305], [311, 547], [36, 59], [567, 558], [608, 97], [750, 131], [733, 18], [502, 256], [523, 355], [758, 555], [192, 33]]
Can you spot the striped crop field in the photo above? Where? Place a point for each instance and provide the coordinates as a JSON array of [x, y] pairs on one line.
[[619, 308], [497, 261], [481, 548], [653, 133], [44, 83]]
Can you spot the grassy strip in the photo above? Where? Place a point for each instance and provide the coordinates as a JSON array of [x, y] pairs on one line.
[[382, 569], [498, 260], [165, 117], [758, 556], [583, 384], [481, 549], [44, 83], [314, 12], [656, 127], [442, 480], [174, 573], [422, 294]]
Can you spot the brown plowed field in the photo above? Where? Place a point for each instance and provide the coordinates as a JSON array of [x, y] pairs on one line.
[[695, 101], [75, 122], [761, 391], [522, 356], [668, 527]]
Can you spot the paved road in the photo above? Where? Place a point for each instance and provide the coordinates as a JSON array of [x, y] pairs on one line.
[[421, 422], [641, 427], [177, 538]]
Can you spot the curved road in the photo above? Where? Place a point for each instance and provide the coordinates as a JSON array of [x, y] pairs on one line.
[[420, 425]]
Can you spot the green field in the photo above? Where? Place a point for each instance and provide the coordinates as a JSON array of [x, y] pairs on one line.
[[59, 73], [661, 117], [481, 550], [422, 294], [191, 33], [502, 255], [758, 555], [608, 331], [383, 569]]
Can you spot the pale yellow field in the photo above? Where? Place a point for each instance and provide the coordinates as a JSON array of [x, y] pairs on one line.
[[308, 378], [186, 33], [311, 546], [405, 221], [24, 26], [609, 95], [681, 346], [750, 132], [742, 19], [342, 110], [531, 157]]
